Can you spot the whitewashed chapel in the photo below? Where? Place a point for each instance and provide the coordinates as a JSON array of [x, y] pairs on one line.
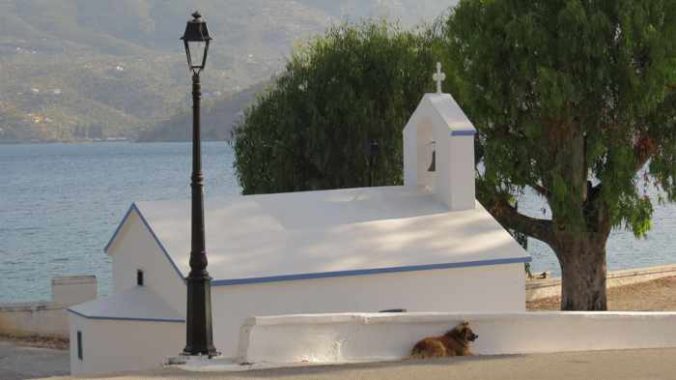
[[424, 246]]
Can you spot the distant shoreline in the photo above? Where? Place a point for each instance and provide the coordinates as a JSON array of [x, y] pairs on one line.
[[83, 141], [120, 140]]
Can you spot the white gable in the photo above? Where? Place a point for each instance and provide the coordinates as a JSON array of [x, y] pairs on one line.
[[275, 237]]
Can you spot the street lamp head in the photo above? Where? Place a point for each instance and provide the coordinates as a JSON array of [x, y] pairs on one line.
[[196, 40]]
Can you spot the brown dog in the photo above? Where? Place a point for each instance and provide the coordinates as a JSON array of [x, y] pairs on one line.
[[454, 343]]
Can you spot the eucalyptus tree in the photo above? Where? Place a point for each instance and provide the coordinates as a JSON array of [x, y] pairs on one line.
[[333, 118], [577, 101]]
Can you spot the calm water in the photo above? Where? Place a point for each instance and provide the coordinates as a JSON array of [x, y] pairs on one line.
[[59, 205]]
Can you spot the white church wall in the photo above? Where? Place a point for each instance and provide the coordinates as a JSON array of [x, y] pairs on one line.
[[342, 338], [444, 181], [497, 288], [136, 249], [424, 143], [461, 172], [412, 157], [118, 345]]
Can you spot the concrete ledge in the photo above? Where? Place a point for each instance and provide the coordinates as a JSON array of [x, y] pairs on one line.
[[538, 289], [28, 306], [345, 338], [74, 280]]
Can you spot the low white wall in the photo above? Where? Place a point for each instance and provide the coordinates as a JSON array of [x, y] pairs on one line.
[[35, 318], [116, 345], [338, 338], [501, 289], [48, 318]]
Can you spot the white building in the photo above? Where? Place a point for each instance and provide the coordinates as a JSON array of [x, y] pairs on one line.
[[424, 246]]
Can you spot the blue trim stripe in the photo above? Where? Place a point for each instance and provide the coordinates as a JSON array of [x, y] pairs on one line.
[[152, 233], [464, 132], [173, 320], [363, 272]]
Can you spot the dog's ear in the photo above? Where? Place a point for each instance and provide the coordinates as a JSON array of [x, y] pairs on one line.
[[455, 332]]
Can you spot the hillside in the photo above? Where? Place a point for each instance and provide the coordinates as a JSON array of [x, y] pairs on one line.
[[218, 119], [88, 69]]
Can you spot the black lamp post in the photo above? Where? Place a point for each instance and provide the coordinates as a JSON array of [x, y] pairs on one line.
[[199, 336], [374, 149]]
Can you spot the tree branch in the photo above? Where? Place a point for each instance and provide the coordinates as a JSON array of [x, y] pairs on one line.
[[644, 149], [541, 190], [509, 217]]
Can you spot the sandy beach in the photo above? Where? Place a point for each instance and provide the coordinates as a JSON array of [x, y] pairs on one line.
[[657, 295]]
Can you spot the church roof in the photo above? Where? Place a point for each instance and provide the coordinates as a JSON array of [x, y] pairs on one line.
[[446, 110], [290, 236], [134, 304]]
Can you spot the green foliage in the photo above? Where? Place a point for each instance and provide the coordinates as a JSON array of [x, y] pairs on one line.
[[571, 97], [312, 128]]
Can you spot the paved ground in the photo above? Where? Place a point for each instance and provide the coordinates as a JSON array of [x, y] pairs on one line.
[[21, 362], [616, 365], [658, 295]]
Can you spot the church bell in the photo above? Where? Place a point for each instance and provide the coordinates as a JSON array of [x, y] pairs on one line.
[[433, 163]]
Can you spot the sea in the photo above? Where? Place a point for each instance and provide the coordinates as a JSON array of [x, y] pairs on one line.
[[61, 203]]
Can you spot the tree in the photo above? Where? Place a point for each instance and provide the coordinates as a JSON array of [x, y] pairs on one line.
[[575, 100], [333, 118]]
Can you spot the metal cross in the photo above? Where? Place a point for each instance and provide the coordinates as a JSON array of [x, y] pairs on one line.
[[439, 77]]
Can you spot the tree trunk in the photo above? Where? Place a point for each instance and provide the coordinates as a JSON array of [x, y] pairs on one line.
[[583, 273]]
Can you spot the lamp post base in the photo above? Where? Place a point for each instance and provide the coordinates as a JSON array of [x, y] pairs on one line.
[[199, 332]]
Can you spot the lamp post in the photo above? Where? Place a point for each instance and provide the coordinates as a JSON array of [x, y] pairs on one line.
[[199, 336], [374, 149]]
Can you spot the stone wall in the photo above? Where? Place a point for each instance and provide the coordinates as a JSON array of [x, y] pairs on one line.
[[551, 287]]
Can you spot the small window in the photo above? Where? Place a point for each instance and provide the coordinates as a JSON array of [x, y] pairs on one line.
[[139, 277], [79, 345]]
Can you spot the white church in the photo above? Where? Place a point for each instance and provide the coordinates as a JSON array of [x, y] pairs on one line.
[[425, 246]]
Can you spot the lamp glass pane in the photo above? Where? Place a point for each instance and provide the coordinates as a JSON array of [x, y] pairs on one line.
[[196, 52]]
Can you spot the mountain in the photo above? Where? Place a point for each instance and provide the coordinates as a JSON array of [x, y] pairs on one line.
[[218, 118], [89, 69]]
